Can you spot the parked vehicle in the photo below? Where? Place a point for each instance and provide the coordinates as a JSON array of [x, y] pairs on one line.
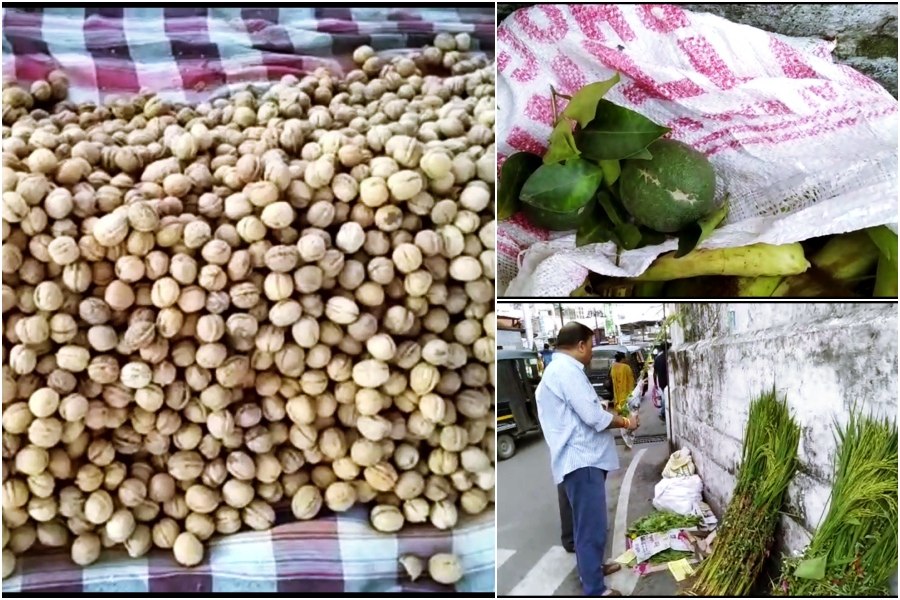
[[518, 376], [603, 358]]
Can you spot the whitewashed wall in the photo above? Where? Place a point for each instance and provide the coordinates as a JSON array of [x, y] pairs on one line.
[[824, 357]]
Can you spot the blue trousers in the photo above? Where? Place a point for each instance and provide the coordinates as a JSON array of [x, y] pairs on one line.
[[586, 489]]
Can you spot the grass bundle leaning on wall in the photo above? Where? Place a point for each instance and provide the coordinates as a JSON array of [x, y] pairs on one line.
[[854, 549], [747, 531]]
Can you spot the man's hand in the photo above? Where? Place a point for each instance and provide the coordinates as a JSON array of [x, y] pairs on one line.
[[634, 422]]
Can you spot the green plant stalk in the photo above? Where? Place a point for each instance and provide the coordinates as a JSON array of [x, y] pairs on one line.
[[886, 274], [885, 279], [886, 240], [844, 258], [857, 538], [747, 530], [746, 261], [649, 289], [757, 287], [847, 256]]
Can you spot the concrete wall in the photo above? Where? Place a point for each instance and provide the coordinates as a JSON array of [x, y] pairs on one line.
[[825, 358], [866, 34]]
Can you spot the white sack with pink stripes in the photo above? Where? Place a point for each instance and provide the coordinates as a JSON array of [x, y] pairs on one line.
[[802, 146]]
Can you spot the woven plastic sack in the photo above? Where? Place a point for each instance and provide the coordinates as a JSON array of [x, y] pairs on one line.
[[803, 147], [680, 495]]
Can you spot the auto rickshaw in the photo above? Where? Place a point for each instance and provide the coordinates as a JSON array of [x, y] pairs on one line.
[[518, 374]]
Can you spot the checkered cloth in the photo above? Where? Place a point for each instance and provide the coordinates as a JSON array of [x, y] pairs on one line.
[[332, 554], [188, 54]]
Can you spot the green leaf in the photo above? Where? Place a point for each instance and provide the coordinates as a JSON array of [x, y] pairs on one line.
[[583, 105], [615, 212], [650, 237], [616, 133], [516, 170], [852, 521], [562, 144], [629, 235], [596, 229], [611, 170], [696, 232], [643, 154], [562, 188], [811, 568]]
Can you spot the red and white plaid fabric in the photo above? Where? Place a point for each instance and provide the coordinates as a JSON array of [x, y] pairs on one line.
[[333, 554], [190, 53]]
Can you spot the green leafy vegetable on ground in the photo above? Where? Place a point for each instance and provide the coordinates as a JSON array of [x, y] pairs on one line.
[[747, 531], [662, 521], [668, 555], [853, 552]]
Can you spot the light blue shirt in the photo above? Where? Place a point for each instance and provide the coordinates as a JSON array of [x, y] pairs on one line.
[[573, 421]]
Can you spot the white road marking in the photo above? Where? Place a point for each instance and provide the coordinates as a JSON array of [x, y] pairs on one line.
[[625, 579], [547, 574], [503, 555]]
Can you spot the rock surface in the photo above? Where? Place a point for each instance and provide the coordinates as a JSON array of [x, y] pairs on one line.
[[866, 34]]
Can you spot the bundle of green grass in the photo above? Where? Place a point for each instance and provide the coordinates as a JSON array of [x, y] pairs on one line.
[[747, 532], [854, 549]]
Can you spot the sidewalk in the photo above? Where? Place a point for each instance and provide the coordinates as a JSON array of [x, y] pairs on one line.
[[646, 474]]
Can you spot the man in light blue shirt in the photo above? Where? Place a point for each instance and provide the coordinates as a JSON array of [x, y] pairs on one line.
[[582, 448]]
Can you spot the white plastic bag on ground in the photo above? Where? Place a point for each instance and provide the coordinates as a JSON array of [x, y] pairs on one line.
[[680, 494], [802, 146], [680, 464]]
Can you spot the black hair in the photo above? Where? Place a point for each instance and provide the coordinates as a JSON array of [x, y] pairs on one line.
[[620, 356], [546, 346], [572, 333]]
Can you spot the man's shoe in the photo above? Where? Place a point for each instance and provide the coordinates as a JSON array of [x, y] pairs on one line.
[[611, 593], [610, 568], [569, 549]]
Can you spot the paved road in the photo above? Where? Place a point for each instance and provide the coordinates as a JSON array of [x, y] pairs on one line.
[[530, 557]]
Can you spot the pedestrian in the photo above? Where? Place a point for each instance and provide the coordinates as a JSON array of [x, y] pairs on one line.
[[546, 355], [582, 450], [622, 377], [661, 376]]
